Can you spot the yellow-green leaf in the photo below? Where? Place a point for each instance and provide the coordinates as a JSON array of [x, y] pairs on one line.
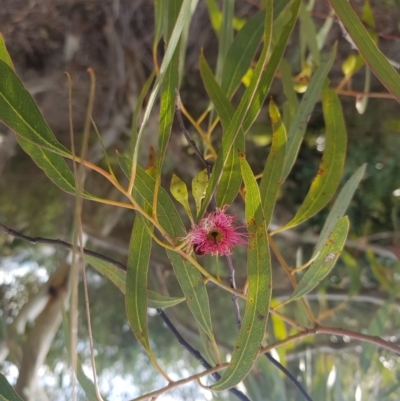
[[4, 53], [270, 181], [180, 193], [199, 186]]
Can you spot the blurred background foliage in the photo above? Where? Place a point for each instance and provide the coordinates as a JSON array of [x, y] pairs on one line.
[[115, 38]]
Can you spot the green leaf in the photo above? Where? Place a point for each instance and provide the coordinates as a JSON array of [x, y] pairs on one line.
[[194, 289], [253, 98], [54, 166], [291, 105], [19, 111], [231, 178], [170, 83], [136, 280], [241, 53], [251, 333], [377, 61], [199, 186], [324, 261], [159, 301], [179, 191], [4, 56], [270, 181], [331, 167], [113, 273], [225, 36], [7, 391], [299, 125], [118, 277], [340, 206], [309, 33]]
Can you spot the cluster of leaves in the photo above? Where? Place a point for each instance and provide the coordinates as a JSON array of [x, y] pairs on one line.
[[157, 218]]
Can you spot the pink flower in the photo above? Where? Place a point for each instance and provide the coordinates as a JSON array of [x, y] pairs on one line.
[[216, 233]]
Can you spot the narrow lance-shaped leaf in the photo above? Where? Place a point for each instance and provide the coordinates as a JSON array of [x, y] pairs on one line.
[[19, 111], [241, 52], [331, 167], [199, 186], [192, 285], [291, 105], [170, 83], [7, 391], [251, 333], [377, 61], [253, 97], [340, 206], [118, 278], [325, 260], [231, 178], [270, 181], [54, 166], [299, 125], [136, 281], [180, 193]]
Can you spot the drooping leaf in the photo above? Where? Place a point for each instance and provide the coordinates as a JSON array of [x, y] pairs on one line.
[[331, 167], [241, 53], [159, 301], [192, 285], [179, 191], [298, 127], [378, 63], [118, 277], [270, 181], [309, 33], [136, 280], [291, 105], [231, 178], [170, 83], [19, 111], [253, 97], [225, 36], [325, 260], [107, 269], [199, 186], [340, 206], [251, 333], [7, 391]]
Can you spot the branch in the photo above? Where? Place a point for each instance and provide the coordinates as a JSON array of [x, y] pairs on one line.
[[59, 242]]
